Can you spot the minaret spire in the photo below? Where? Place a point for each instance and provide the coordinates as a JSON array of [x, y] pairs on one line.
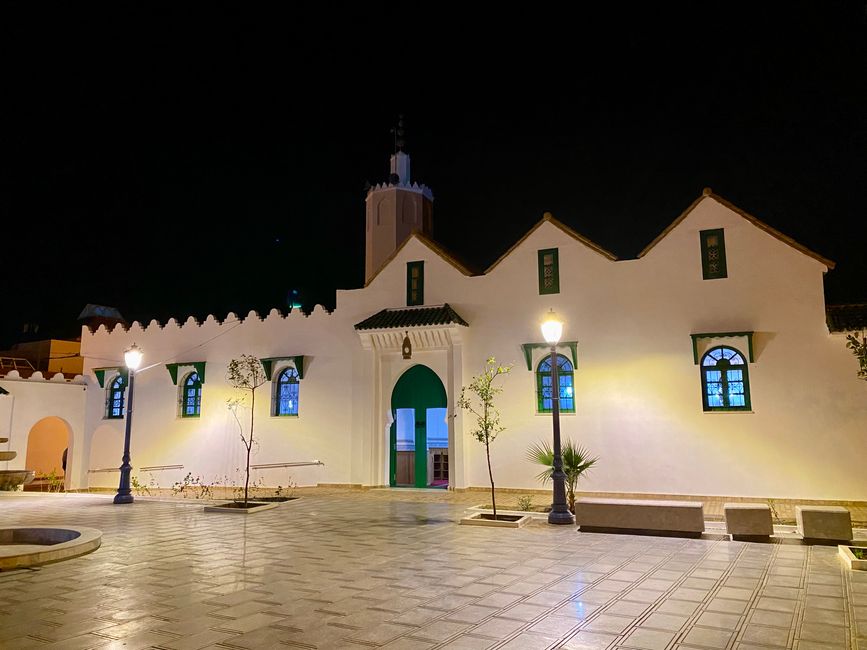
[[399, 135], [399, 159], [395, 209]]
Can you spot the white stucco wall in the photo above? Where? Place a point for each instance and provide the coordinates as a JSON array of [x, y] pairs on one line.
[[638, 391], [31, 400]]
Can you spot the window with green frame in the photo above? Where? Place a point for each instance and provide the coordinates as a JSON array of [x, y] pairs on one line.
[[414, 283], [549, 271], [725, 381], [713, 254], [191, 396], [114, 398], [565, 376], [286, 393]]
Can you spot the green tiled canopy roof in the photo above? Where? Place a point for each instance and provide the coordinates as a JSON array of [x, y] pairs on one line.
[[846, 318], [411, 317]]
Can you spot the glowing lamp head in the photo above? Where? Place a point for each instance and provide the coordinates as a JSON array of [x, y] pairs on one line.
[[552, 328], [132, 357]]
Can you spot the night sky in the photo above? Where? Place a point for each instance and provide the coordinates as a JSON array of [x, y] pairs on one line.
[[186, 158]]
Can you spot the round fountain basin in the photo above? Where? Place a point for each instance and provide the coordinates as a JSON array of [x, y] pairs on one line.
[[25, 546], [10, 479]]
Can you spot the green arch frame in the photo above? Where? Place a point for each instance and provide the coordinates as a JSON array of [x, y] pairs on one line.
[[418, 388]]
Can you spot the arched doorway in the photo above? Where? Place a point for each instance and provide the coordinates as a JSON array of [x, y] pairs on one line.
[[47, 441], [419, 433]]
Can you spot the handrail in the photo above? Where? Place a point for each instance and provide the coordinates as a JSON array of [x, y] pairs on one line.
[[157, 468], [154, 468], [295, 464]]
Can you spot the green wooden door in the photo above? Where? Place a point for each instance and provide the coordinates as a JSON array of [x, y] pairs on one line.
[[418, 388]]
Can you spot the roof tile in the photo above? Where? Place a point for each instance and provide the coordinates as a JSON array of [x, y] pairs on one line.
[[412, 317]]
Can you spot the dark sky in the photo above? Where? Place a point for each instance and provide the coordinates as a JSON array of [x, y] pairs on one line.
[[181, 158]]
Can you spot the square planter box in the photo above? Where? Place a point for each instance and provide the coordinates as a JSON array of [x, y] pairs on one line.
[[502, 520], [239, 509], [849, 557]]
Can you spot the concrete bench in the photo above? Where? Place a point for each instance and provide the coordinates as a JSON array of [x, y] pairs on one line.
[[640, 516], [748, 521], [824, 523]]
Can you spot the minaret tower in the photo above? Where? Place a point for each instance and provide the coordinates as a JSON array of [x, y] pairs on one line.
[[395, 209]]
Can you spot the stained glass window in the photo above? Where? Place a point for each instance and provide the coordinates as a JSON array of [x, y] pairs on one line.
[[286, 392], [544, 392], [724, 380], [191, 396], [114, 407]]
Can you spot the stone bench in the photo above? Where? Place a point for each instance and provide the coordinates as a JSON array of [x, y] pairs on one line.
[[824, 523], [748, 521], [640, 516]]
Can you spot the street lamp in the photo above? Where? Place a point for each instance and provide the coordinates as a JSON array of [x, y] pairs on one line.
[[132, 357], [552, 330]]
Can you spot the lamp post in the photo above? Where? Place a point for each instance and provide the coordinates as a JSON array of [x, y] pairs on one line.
[[552, 330], [132, 357]]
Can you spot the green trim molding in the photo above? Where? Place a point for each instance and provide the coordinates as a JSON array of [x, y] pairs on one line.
[[198, 365], [100, 373], [268, 365], [721, 335], [529, 347]]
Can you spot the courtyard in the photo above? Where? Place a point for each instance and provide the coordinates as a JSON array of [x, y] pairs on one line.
[[391, 569]]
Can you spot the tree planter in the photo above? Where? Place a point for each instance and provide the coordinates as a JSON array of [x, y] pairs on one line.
[[502, 520], [274, 499], [852, 561], [539, 512], [239, 508]]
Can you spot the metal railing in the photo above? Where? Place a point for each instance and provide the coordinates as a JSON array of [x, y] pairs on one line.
[[153, 468], [295, 464]]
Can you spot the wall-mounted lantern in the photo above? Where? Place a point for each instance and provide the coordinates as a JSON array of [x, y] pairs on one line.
[[407, 347]]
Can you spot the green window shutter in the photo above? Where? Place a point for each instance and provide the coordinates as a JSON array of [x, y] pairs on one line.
[[549, 271], [713, 254], [414, 283]]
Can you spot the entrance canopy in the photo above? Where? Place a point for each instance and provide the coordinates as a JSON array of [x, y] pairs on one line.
[[427, 327]]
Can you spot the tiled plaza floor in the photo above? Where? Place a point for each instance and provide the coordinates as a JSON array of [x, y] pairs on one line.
[[354, 571]]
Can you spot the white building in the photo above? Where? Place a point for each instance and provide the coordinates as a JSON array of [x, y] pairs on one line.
[[705, 367]]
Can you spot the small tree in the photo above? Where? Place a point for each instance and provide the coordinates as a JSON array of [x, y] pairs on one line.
[[245, 374], [481, 404], [859, 349], [576, 461]]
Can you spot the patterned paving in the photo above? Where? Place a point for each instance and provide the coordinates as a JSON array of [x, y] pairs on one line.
[[359, 571]]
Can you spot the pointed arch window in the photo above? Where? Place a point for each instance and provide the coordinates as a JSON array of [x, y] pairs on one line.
[[725, 382], [286, 393], [114, 398], [544, 392], [191, 396]]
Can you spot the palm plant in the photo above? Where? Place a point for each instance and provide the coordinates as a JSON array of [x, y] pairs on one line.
[[576, 461]]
